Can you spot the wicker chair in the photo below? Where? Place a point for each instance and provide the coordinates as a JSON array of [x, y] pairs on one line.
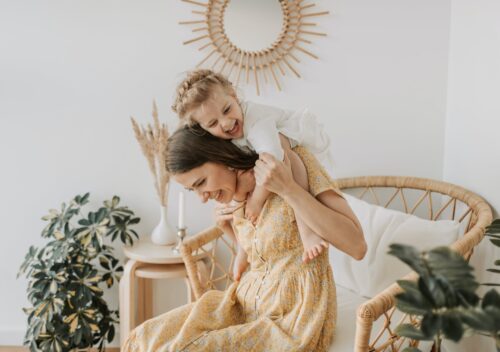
[[431, 199]]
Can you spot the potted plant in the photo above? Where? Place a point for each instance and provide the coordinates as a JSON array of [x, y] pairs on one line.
[[67, 275], [444, 296]]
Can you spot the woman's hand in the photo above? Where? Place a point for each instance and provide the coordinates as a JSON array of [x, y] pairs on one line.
[[274, 175]]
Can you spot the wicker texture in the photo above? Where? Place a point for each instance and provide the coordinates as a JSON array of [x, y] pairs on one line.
[[269, 63], [434, 200]]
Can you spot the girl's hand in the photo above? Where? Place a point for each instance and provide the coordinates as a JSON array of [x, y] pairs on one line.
[[224, 216], [273, 174]]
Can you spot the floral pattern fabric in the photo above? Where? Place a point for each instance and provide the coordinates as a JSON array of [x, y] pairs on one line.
[[280, 303]]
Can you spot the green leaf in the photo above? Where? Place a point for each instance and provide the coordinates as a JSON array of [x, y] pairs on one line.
[[101, 213], [477, 319], [410, 331], [410, 308], [492, 229], [491, 298], [431, 324], [468, 298], [104, 262], [136, 221], [408, 285], [427, 287], [111, 334], [452, 326], [494, 313], [495, 241], [408, 255], [495, 222], [84, 222], [413, 302]]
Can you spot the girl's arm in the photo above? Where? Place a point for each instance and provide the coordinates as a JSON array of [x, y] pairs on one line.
[[336, 223]]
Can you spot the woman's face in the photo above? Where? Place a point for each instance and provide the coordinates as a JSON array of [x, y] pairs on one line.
[[210, 181]]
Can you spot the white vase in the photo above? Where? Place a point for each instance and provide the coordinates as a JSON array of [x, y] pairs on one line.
[[163, 234]]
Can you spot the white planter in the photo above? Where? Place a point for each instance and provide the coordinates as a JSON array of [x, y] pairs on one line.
[[163, 234]]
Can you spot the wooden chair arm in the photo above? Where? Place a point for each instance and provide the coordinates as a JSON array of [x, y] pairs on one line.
[[200, 276]]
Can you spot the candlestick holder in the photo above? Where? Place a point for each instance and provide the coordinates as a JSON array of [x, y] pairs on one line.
[[181, 233]]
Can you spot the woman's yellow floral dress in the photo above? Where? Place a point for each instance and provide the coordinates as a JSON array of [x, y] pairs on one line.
[[280, 304]]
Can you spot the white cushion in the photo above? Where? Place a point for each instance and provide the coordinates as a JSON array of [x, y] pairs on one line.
[[382, 227], [347, 306]]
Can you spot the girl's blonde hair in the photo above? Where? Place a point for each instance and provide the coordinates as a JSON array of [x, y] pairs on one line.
[[196, 88]]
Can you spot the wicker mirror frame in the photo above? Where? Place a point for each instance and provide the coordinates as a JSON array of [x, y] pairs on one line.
[[224, 56]]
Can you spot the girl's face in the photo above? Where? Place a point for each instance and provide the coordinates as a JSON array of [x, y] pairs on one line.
[[220, 115], [210, 181]]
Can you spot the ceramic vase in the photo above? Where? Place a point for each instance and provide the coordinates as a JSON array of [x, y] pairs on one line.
[[164, 234]]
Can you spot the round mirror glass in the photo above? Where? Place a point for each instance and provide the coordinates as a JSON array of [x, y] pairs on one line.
[[253, 25]]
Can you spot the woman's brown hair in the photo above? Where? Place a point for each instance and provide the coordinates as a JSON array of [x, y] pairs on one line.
[[190, 147]]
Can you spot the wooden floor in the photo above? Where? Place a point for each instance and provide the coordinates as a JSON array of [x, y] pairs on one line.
[[26, 349]]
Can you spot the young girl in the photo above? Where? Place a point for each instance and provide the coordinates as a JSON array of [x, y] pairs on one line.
[[208, 99]]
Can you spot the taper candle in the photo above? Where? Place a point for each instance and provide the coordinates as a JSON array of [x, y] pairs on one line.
[[181, 224]]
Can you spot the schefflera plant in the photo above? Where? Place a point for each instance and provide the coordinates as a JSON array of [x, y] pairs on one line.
[[67, 276], [444, 297]]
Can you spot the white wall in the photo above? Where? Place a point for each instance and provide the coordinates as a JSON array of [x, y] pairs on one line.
[[472, 148], [71, 74]]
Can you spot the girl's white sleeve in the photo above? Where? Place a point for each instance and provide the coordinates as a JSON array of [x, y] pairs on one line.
[[263, 136]]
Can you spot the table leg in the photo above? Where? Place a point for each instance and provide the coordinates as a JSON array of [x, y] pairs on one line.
[[148, 299], [127, 300], [140, 300], [145, 299]]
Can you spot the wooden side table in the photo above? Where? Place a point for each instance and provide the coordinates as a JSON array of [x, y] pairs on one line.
[[147, 261]]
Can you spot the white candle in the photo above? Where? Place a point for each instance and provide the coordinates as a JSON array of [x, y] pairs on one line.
[[181, 224]]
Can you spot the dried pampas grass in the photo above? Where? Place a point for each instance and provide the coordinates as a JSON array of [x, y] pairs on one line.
[[153, 142]]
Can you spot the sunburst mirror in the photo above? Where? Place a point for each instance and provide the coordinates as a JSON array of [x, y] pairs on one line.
[[257, 41]]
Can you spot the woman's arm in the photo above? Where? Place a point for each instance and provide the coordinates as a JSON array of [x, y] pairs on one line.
[[333, 220]]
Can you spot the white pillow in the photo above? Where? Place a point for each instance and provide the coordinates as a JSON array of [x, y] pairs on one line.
[[382, 227]]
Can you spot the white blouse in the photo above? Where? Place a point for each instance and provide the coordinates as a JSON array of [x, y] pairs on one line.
[[262, 125]]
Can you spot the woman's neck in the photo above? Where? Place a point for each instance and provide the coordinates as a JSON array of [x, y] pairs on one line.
[[245, 184]]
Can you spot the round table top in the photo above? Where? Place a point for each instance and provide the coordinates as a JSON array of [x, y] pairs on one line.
[[146, 251]]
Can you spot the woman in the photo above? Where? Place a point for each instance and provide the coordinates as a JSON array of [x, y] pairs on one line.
[[281, 303]]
